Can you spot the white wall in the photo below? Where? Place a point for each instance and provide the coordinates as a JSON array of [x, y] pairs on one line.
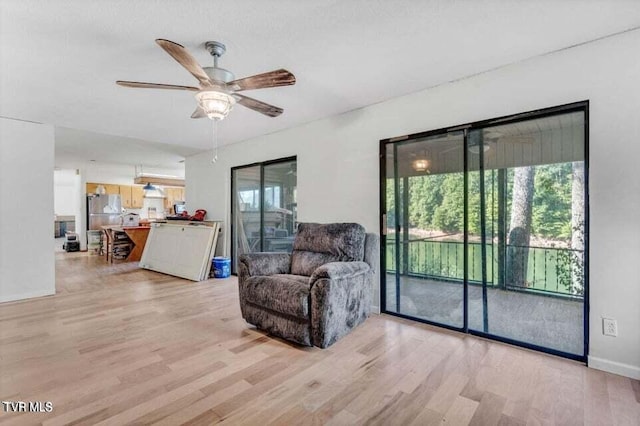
[[65, 199], [26, 210], [338, 164]]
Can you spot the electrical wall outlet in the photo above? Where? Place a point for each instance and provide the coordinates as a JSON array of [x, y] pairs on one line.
[[609, 327]]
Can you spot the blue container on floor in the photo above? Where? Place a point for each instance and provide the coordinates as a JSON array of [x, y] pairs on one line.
[[221, 267]]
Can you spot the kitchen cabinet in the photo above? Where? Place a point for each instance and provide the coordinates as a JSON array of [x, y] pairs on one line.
[[109, 188], [92, 188], [137, 197], [112, 189], [172, 195], [132, 196], [125, 196]]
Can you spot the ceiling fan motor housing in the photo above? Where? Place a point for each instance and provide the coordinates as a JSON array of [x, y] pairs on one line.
[[219, 74]]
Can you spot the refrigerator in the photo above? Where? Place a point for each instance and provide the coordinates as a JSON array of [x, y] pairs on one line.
[[103, 210]]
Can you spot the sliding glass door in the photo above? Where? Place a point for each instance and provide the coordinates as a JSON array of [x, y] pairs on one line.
[[424, 245], [486, 229], [264, 207]]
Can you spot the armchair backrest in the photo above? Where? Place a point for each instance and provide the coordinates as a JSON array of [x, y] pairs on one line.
[[371, 251], [317, 244]]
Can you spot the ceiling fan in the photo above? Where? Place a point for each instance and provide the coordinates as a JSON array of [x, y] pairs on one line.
[[218, 91]]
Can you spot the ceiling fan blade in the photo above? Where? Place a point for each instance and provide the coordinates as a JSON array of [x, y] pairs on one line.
[[256, 105], [275, 78], [138, 84], [182, 55], [199, 113]]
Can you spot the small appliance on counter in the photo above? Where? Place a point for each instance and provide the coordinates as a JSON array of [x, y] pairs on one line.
[[131, 219], [179, 207]]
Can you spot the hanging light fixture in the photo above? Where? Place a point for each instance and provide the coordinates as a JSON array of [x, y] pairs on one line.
[[148, 187], [420, 165], [475, 149], [216, 104]]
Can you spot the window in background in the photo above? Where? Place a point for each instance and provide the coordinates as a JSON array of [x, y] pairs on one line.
[[264, 207]]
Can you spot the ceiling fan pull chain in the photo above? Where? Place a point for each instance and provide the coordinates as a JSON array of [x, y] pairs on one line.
[[215, 140]]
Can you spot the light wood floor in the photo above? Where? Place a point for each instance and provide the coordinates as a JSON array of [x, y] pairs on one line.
[[118, 345]]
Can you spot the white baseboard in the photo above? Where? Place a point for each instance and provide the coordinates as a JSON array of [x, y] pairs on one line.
[[631, 371], [22, 296]]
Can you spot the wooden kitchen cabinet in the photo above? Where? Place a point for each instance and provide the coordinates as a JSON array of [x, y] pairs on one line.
[[92, 188], [172, 195], [109, 188], [137, 197], [125, 196], [112, 189], [132, 196]]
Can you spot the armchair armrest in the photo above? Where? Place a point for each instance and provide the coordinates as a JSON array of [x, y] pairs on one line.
[[339, 270], [341, 294], [254, 264]]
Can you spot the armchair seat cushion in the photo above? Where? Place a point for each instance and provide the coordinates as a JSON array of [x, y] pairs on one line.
[[283, 293]]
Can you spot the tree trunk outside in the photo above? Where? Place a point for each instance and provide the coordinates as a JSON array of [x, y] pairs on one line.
[[520, 227], [502, 228], [577, 227]]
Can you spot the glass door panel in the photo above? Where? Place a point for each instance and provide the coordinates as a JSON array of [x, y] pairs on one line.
[[528, 216], [247, 196], [425, 227], [280, 207]]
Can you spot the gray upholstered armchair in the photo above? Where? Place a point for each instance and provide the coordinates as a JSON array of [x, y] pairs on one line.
[[316, 294]]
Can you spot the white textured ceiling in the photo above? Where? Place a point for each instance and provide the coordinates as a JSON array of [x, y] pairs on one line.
[[59, 59], [77, 148]]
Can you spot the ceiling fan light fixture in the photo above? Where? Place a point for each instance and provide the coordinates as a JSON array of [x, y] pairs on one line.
[[420, 165], [475, 149], [215, 104]]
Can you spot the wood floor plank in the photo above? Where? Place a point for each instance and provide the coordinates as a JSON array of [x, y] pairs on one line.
[[461, 411], [204, 404], [489, 411], [447, 393], [624, 407], [119, 345]]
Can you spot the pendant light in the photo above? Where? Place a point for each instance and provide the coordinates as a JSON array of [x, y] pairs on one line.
[[420, 165]]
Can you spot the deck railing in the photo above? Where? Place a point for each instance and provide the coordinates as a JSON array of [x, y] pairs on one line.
[[549, 270]]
